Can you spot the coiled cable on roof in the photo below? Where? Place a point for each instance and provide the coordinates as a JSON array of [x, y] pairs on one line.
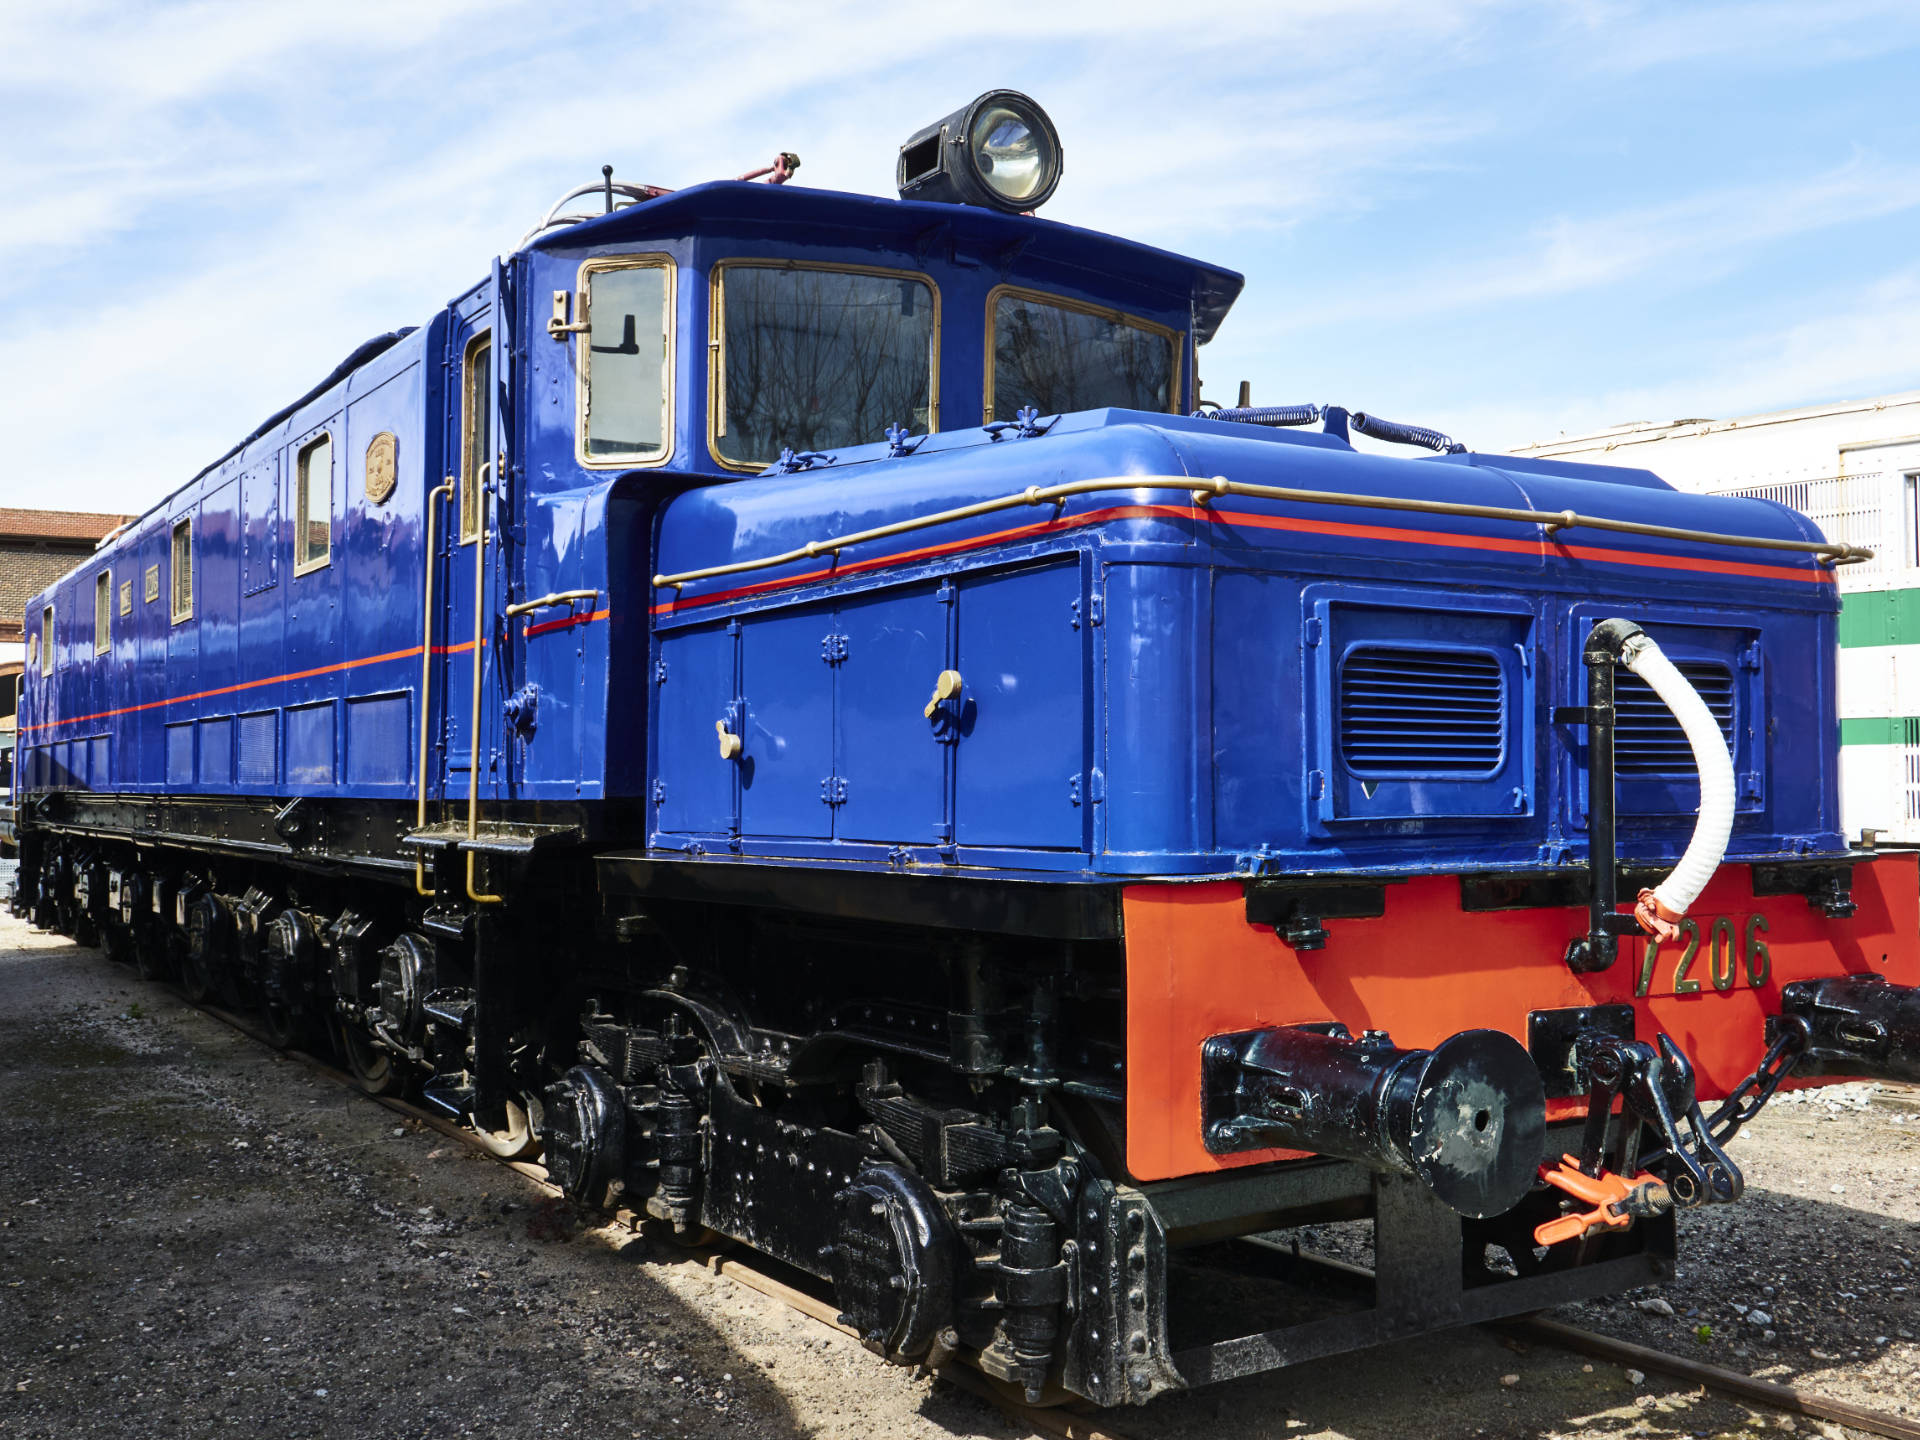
[[1392, 431], [1264, 414]]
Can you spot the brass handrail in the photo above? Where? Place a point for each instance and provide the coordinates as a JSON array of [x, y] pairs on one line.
[[473, 734], [557, 597], [439, 492], [1203, 490]]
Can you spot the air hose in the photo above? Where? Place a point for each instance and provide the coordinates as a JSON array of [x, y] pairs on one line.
[[1657, 909]]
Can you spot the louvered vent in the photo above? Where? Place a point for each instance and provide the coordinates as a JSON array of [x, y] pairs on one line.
[[1421, 712], [1647, 739]]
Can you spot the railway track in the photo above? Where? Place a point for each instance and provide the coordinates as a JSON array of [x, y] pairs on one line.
[[1068, 1422]]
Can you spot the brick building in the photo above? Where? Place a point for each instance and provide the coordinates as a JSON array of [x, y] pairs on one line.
[[37, 547]]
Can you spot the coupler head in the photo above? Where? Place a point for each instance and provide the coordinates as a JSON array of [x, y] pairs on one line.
[[1468, 1118], [1862, 1025]]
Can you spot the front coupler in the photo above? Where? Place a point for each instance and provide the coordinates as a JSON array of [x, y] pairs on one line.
[[1860, 1025]]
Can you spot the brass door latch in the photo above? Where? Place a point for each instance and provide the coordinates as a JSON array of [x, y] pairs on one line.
[[944, 689], [730, 744]]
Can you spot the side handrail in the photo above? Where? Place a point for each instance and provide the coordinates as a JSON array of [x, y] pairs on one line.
[[434, 496], [557, 597], [1202, 490], [473, 732]]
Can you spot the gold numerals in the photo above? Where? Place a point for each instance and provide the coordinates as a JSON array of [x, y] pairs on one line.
[[1731, 954]]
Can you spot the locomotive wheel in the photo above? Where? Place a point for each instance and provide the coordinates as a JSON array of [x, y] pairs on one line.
[[520, 1140], [150, 955], [115, 945], [372, 1068], [281, 1026], [196, 976]]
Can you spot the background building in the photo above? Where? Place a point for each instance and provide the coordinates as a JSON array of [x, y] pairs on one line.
[[37, 547], [1853, 468]]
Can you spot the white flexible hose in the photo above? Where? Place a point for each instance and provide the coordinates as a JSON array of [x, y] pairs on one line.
[[1714, 825]]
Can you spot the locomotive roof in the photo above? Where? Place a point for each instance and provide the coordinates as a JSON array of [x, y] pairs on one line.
[[800, 216]]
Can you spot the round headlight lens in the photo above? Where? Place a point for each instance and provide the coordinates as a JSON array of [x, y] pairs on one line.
[[1012, 154]]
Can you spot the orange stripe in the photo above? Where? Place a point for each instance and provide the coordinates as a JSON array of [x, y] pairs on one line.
[[544, 626], [1395, 534], [413, 653]]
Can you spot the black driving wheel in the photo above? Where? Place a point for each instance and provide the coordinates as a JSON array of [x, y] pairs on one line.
[[373, 1068]]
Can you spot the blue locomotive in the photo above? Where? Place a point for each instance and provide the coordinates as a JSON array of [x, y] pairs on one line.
[[790, 704]]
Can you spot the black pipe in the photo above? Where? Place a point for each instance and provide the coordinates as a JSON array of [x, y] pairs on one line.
[[1600, 946], [1468, 1118]]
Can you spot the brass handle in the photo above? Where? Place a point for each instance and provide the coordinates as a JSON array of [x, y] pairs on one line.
[[945, 688], [730, 744]]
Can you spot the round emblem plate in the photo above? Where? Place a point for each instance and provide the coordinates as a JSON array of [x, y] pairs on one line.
[[382, 457]]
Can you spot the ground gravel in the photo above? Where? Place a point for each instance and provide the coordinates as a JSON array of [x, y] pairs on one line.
[[199, 1238]]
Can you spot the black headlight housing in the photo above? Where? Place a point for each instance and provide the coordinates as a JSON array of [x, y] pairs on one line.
[[999, 151]]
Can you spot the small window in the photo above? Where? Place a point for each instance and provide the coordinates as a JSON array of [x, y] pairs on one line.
[[152, 591], [624, 362], [46, 641], [313, 507], [1910, 511], [103, 612], [1058, 357], [815, 359], [476, 434], [126, 597], [182, 570]]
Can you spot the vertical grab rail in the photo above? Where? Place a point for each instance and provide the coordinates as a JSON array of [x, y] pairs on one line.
[[434, 496], [479, 642]]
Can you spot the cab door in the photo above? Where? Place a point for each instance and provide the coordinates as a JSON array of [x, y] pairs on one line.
[[471, 526]]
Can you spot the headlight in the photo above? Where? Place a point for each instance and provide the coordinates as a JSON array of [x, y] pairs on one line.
[[1001, 152]]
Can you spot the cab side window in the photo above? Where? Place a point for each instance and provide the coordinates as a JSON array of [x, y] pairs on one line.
[[476, 433], [313, 506], [182, 570]]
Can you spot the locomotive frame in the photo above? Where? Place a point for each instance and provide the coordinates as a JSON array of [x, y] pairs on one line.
[[1236, 875]]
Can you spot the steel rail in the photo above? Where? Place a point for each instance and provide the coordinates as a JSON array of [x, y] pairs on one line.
[[1202, 490]]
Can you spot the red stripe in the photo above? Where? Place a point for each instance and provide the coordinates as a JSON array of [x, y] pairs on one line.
[[567, 624], [1398, 535], [416, 651]]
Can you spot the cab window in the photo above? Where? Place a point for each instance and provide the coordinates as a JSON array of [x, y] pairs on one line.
[[817, 358], [103, 612], [46, 641], [182, 570], [1058, 356], [624, 363], [313, 540], [476, 430]]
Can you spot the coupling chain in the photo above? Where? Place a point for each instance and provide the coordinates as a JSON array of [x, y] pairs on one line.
[[1750, 1096]]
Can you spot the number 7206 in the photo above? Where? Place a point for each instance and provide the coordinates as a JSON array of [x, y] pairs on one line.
[[1723, 963]]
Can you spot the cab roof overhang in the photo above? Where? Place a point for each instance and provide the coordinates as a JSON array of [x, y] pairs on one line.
[[835, 217]]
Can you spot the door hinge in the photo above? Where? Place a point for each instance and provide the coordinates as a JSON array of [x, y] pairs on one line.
[[659, 672], [1093, 611], [1316, 784], [733, 626], [659, 792], [1310, 634], [944, 595], [1750, 657], [833, 649], [833, 790], [1073, 789]]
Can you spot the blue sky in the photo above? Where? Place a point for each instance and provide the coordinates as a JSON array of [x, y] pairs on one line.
[[1503, 220]]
